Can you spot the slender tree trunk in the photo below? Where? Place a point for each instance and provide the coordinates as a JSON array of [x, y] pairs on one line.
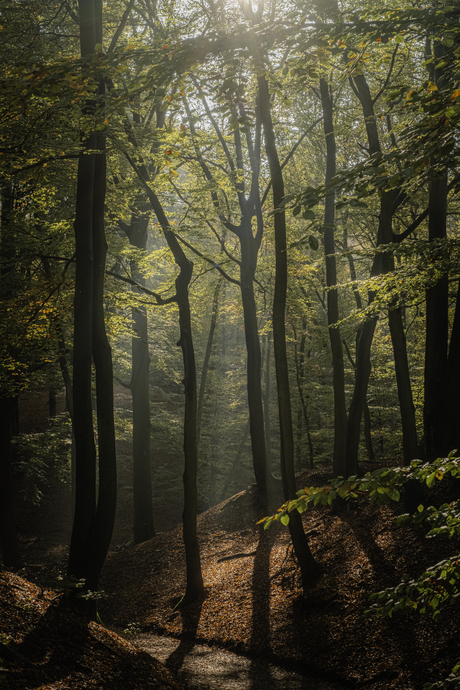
[[195, 585], [254, 363], [338, 378], [250, 210], [93, 523], [303, 418], [384, 263], [304, 556], [359, 304], [437, 298], [446, 418], [85, 448], [267, 401], [143, 524], [8, 542], [207, 356]]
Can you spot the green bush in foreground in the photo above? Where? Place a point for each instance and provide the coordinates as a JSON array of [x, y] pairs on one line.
[[438, 585]]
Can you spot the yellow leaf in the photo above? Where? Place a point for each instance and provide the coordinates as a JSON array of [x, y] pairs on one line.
[[455, 95], [432, 86]]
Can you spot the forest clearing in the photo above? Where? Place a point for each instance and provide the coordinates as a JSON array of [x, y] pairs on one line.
[[230, 341]]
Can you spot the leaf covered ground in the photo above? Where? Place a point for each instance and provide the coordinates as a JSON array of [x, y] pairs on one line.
[[254, 603], [46, 644]]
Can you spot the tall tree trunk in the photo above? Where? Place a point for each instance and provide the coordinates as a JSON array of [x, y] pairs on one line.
[[302, 418], [93, 522], [383, 263], [445, 435], [207, 356], [437, 322], [250, 210], [441, 369], [254, 363], [8, 542], [304, 556], [267, 400], [338, 376], [195, 585], [143, 524]]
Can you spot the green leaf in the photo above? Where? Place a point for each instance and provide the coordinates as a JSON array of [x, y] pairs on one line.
[[313, 242], [285, 520], [394, 494], [431, 480], [268, 522]]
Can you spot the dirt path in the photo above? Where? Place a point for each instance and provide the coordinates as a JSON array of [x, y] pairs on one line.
[[212, 668]]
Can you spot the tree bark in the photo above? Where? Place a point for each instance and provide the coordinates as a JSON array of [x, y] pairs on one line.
[[143, 524], [8, 542], [383, 263], [338, 376], [195, 585], [437, 298], [207, 356], [307, 563], [93, 522]]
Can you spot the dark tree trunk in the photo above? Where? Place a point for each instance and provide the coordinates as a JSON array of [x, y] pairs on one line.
[[445, 435], [207, 357], [437, 299], [8, 543], [195, 585], [338, 377], [250, 209], [8, 403], [254, 363], [383, 263], [93, 521], [302, 419], [143, 524], [302, 550], [267, 400]]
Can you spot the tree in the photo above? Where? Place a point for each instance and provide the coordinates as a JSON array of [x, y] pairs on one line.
[[93, 519], [304, 556]]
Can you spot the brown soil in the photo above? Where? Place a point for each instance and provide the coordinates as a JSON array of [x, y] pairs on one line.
[[253, 602], [46, 643]]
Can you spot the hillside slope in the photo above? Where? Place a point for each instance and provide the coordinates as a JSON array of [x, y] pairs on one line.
[[45, 643], [254, 602]]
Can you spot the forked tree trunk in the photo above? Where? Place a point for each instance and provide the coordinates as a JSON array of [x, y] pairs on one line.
[[383, 263], [93, 521]]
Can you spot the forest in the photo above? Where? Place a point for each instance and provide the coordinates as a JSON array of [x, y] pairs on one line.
[[229, 262]]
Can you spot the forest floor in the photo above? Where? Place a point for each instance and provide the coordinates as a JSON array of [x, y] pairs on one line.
[[253, 603]]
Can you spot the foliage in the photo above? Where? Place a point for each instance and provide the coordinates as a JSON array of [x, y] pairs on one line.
[[42, 457], [438, 585]]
